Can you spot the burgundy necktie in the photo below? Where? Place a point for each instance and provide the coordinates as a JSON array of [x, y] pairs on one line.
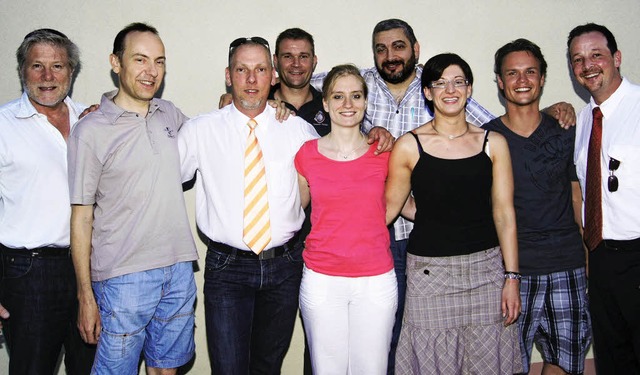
[[593, 194]]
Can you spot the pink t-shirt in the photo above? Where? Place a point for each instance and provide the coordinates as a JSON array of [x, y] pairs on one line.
[[348, 232]]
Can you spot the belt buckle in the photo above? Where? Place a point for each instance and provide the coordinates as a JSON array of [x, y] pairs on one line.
[[267, 254]]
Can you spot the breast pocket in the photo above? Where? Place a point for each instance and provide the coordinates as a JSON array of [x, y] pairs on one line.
[[629, 158], [282, 178]]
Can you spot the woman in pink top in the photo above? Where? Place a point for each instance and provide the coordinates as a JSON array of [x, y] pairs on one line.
[[348, 296]]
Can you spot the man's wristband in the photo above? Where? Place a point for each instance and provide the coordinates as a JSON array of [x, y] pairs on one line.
[[512, 275]]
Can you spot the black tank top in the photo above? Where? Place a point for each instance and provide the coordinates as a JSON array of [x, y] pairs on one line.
[[453, 205]]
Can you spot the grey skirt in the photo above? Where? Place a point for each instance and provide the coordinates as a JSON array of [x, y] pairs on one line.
[[453, 320]]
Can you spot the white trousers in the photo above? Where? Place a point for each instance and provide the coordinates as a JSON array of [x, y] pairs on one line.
[[348, 321]]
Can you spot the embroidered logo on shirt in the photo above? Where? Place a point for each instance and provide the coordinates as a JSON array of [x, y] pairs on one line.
[[319, 117], [170, 132]]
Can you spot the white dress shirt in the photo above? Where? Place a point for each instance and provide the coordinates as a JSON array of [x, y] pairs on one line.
[[213, 145], [34, 192], [621, 141]]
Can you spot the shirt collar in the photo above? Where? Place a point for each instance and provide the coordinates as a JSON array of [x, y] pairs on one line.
[[112, 112], [26, 108], [609, 106], [241, 120]]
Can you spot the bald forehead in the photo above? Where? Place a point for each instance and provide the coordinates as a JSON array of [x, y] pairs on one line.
[[135, 39], [250, 53]]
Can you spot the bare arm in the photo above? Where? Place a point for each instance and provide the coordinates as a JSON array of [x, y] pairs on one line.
[[403, 157], [504, 217], [81, 231], [576, 199], [305, 196], [409, 209], [4, 314]]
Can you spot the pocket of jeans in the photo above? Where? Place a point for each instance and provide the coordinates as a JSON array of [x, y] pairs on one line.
[[102, 299], [14, 267], [294, 255], [215, 261]]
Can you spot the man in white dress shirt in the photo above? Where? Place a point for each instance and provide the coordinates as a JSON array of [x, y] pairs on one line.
[[251, 294], [607, 157]]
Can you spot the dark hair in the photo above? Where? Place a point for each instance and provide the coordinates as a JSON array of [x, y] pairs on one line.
[[118, 42], [591, 27], [295, 34], [434, 67], [52, 37], [517, 46], [341, 71], [392, 24]]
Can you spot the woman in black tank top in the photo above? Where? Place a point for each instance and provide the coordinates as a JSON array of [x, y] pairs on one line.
[[460, 301]]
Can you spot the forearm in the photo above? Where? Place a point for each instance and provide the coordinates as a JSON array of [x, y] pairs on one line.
[[576, 200], [507, 236], [81, 231], [396, 198], [303, 186], [409, 209]]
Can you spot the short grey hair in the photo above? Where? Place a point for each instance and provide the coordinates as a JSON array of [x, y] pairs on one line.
[[52, 37]]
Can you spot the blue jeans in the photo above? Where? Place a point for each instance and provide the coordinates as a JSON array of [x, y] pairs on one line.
[[149, 311], [250, 310], [40, 294], [399, 253]]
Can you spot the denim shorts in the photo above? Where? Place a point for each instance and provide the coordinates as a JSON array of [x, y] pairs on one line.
[[150, 312]]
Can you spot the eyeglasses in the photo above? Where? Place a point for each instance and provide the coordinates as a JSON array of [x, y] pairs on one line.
[[612, 182], [254, 39], [443, 83]]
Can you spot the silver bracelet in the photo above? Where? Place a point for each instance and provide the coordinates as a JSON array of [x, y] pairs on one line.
[[513, 275]]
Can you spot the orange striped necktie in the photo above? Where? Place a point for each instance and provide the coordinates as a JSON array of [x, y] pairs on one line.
[[257, 227]]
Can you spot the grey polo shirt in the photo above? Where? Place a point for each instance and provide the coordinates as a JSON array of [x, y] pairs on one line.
[[128, 167]]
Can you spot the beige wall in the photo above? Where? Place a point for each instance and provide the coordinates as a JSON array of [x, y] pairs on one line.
[[197, 33]]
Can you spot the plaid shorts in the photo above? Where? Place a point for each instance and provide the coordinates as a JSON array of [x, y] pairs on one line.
[[555, 316]]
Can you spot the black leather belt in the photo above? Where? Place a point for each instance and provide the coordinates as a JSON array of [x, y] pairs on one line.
[[248, 254], [39, 252], [624, 245]]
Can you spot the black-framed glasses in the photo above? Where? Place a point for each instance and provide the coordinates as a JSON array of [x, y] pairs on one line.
[[254, 39], [612, 182]]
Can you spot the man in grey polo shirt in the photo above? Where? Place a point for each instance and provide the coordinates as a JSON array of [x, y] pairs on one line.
[[130, 236]]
